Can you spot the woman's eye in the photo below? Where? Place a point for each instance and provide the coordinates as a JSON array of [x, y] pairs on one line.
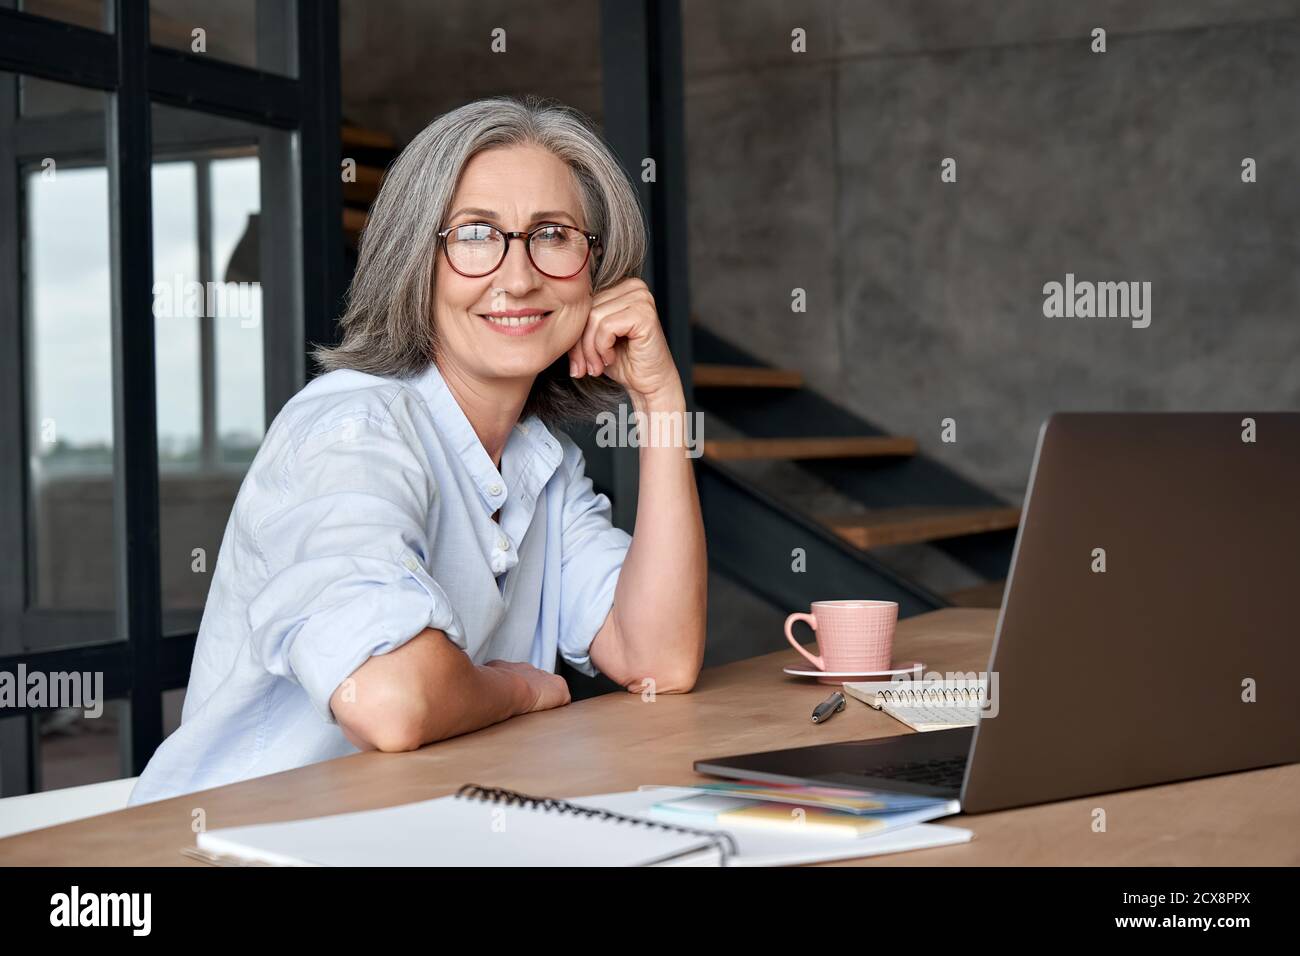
[[473, 233]]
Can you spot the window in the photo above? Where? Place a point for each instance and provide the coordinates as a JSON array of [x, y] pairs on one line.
[[153, 349]]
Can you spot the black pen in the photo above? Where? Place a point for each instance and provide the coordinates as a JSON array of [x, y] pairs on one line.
[[831, 705]]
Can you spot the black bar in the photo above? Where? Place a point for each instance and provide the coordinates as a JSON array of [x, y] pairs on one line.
[[113, 660], [135, 422], [175, 656], [641, 53], [64, 53], [197, 83], [13, 402], [320, 183], [57, 51], [666, 115]]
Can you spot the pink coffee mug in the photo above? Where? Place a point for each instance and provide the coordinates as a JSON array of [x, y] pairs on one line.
[[853, 636]]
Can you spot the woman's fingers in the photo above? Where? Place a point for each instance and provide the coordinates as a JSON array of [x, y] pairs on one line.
[[600, 336], [577, 363], [614, 313], [608, 332], [631, 286], [629, 299], [595, 364]]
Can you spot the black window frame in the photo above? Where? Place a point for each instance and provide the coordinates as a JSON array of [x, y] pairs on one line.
[[139, 668]]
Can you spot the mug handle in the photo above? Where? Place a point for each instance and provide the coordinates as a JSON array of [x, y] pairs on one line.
[[811, 621]]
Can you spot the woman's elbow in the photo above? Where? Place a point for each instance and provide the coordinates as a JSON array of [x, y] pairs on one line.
[[679, 685], [381, 717], [396, 733], [672, 678]]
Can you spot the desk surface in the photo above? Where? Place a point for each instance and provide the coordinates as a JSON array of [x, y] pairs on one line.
[[619, 741]]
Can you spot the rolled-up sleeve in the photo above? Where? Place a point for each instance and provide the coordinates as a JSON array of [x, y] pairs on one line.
[[592, 552], [346, 550]]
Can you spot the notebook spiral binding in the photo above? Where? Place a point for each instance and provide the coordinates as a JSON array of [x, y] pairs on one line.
[[934, 695], [723, 842]]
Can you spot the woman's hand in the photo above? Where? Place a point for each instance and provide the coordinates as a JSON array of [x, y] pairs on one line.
[[624, 340], [542, 690]]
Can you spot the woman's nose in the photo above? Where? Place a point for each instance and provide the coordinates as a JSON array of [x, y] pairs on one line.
[[517, 269]]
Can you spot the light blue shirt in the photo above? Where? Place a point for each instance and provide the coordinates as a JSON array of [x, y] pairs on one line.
[[365, 518]]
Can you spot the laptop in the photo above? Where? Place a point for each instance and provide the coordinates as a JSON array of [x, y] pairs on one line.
[[1179, 660]]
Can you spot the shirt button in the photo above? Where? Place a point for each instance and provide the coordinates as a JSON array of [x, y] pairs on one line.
[[503, 544], [411, 564], [494, 490]]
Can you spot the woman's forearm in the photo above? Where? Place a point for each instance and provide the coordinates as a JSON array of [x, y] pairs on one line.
[[660, 601], [423, 691]]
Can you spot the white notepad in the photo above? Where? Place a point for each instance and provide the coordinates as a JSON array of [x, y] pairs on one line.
[[476, 827], [940, 705], [487, 827]]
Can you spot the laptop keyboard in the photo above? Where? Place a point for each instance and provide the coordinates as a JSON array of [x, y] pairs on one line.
[[944, 772]]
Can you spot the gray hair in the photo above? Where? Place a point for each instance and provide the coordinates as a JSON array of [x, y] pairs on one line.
[[388, 326]]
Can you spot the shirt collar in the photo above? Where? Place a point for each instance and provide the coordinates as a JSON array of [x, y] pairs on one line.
[[530, 458]]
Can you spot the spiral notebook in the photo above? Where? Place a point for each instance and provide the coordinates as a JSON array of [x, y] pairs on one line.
[[487, 826], [937, 706], [478, 826]]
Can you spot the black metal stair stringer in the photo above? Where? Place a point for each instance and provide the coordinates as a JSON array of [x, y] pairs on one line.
[[876, 483], [752, 538]]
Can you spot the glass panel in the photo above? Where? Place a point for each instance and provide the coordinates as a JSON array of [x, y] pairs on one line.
[[176, 332], [253, 33], [41, 97], [76, 750], [173, 705], [210, 258], [65, 293], [240, 405], [83, 13]]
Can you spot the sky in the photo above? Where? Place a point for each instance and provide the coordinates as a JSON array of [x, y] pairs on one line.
[[68, 296]]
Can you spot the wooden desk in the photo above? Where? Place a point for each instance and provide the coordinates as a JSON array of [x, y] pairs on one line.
[[619, 741]]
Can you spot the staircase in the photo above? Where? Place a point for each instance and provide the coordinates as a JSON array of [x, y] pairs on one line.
[[897, 495], [373, 152]]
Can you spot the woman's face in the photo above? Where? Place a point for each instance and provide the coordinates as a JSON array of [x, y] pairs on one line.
[[515, 189]]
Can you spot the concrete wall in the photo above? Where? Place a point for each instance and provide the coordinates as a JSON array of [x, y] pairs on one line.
[[821, 171]]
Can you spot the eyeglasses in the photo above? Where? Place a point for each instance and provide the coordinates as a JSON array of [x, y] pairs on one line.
[[475, 249]]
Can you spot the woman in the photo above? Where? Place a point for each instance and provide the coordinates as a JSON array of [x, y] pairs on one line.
[[414, 545]]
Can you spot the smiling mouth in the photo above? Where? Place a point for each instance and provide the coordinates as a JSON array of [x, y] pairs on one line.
[[516, 323]]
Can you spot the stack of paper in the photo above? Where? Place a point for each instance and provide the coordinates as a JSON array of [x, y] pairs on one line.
[[658, 826]]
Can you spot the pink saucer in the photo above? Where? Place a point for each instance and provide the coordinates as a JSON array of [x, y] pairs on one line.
[[839, 677]]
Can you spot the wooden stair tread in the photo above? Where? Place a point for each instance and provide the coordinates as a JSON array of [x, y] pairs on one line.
[[706, 375], [849, 446], [913, 524], [359, 136], [988, 594], [354, 220], [366, 187]]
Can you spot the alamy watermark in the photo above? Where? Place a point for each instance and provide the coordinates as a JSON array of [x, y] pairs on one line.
[[652, 430], [177, 298], [1098, 300], [42, 690], [133, 911]]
